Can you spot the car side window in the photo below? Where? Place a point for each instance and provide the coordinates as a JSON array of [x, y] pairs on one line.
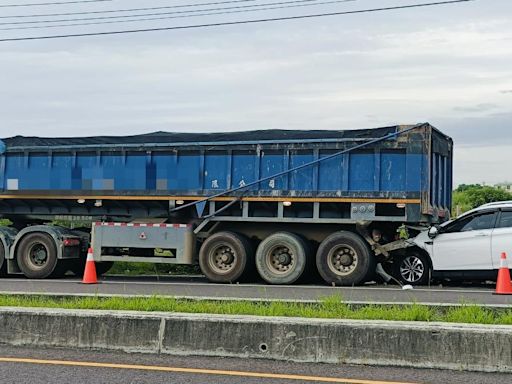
[[472, 223], [505, 220]]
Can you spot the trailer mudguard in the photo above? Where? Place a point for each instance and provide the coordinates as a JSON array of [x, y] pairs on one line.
[[58, 234]]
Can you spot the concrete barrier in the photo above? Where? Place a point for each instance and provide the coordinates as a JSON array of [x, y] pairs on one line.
[[409, 344], [80, 329]]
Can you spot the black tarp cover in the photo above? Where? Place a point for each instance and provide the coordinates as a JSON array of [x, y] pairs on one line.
[[178, 137]]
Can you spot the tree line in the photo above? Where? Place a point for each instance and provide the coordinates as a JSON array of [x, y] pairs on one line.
[[469, 196]]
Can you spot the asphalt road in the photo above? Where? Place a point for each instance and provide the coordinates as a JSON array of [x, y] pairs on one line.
[[26, 365], [187, 286]]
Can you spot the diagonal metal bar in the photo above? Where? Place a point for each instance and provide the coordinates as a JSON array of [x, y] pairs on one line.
[[282, 173]]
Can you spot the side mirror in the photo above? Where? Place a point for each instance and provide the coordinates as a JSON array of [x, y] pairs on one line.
[[433, 232]]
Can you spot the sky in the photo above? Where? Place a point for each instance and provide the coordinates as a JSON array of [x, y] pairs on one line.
[[448, 65]]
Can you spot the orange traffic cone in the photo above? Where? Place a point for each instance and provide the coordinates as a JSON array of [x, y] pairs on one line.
[[503, 284], [90, 269]]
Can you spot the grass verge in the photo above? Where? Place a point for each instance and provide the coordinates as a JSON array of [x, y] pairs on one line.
[[329, 308]]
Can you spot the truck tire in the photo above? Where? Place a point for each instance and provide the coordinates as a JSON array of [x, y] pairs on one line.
[[413, 269], [282, 258], [37, 255], [226, 257], [344, 258]]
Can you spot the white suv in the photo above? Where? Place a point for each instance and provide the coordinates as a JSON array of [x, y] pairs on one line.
[[468, 247]]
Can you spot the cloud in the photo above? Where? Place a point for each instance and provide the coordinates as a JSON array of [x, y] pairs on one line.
[[483, 107], [481, 164], [332, 73], [488, 130]]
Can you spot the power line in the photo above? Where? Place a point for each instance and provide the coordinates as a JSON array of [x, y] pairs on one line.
[[156, 14], [297, 3], [176, 17], [127, 9], [52, 3], [370, 10]]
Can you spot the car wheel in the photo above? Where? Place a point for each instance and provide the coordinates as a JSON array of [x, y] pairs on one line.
[[412, 269]]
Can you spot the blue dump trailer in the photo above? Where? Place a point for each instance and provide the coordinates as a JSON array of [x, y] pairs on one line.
[[278, 204]]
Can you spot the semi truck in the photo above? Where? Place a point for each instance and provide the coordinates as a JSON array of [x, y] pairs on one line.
[[280, 205]]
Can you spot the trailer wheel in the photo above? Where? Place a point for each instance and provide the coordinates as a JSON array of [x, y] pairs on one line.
[[344, 258], [37, 256], [412, 269], [282, 258], [225, 257]]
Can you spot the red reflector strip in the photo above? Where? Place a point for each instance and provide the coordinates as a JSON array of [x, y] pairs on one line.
[[144, 225]]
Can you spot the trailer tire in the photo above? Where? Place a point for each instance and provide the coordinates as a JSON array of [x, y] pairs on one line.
[[37, 255], [226, 257], [282, 258], [344, 258]]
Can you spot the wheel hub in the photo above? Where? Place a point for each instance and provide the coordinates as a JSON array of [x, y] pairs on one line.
[[284, 259], [227, 257], [39, 255], [281, 259], [412, 269], [223, 258], [346, 260], [343, 260]]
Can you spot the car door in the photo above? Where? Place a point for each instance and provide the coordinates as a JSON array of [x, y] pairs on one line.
[[501, 239], [465, 244]]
